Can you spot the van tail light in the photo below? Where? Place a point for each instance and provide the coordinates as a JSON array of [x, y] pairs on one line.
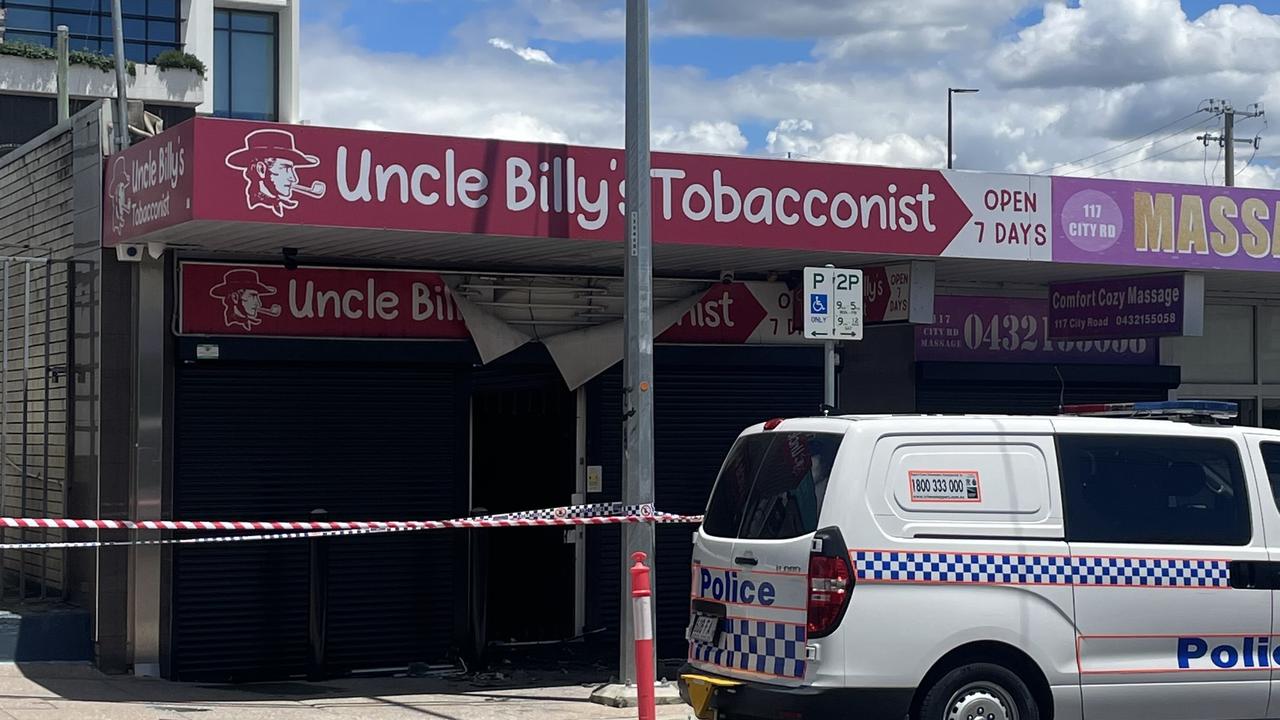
[[830, 583]]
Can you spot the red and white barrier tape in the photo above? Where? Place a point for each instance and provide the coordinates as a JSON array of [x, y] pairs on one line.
[[201, 540], [593, 514]]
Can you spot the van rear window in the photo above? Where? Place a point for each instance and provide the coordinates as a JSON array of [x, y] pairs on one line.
[[771, 486]]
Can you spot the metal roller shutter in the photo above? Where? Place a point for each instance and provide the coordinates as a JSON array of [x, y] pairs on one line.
[[1024, 389], [270, 441], [704, 397]]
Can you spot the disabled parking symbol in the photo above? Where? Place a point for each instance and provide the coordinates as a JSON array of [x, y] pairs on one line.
[[818, 303]]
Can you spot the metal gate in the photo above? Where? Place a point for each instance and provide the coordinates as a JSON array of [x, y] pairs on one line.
[[35, 419]]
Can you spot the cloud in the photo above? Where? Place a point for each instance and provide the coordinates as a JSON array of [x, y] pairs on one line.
[[722, 137], [1114, 43], [829, 18], [887, 108], [796, 138], [524, 53]]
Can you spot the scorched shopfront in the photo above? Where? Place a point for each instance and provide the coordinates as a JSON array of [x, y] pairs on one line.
[[373, 326]]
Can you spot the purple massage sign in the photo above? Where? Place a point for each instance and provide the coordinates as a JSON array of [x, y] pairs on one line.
[[1143, 224], [1016, 330], [1149, 306]]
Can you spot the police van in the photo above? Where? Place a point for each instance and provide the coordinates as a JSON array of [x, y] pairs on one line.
[[1002, 568]]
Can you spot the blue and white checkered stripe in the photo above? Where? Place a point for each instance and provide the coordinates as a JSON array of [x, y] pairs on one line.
[[757, 646], [1152, 572], [1006, 569]]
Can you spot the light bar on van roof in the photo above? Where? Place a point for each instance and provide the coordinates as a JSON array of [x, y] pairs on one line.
[[1172, 408]]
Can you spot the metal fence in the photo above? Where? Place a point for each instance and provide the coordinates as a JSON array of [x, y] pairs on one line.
[[35, 414]]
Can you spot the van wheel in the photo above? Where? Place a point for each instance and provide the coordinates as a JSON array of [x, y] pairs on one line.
[[979, 691]]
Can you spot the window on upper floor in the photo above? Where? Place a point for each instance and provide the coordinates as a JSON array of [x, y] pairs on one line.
[[150, 26], [246, 64]]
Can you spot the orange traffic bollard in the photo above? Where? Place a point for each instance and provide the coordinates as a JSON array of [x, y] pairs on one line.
[[640, 602]]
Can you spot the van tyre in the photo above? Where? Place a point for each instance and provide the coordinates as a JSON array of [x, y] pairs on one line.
[[979, 691]]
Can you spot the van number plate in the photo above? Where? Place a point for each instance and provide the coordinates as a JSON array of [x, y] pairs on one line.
[[944, 486], [704, 629]]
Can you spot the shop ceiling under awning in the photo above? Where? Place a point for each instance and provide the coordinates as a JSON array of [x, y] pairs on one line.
[[223, 187]]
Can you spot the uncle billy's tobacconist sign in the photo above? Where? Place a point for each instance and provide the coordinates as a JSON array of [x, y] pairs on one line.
[[210, 169]]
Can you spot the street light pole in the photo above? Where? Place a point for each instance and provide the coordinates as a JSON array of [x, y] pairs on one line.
[[951, 92], [637, 485]]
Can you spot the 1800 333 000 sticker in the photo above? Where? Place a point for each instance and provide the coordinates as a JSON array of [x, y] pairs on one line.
[[944, 486]]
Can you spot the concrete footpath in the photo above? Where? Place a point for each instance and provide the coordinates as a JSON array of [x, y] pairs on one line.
[[48, 691]]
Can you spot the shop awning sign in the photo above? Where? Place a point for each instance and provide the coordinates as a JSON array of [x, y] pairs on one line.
[[316, 302], [253, 175], [215, 170], [1148, 306], [1016, 330], [898, 293]]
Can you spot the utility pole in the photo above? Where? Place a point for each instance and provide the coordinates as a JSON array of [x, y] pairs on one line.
[[122, 102], [1227, 139], [637, 485]]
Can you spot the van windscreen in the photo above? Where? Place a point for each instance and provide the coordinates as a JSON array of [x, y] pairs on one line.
[[771, 486]]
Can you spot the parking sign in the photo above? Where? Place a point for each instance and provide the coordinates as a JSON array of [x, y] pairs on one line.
[[833, 303]]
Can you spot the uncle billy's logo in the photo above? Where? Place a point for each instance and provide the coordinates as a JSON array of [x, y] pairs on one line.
[[242, 293], [121, 202], [269, 163]]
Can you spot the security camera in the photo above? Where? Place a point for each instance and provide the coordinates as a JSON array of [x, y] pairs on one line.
[[130, 253], [156, 249], [726, 276]]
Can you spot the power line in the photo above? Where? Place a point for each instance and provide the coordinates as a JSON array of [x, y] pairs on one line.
[[1144, 159], [1256, 142], [1147, 146], [1127, 142]]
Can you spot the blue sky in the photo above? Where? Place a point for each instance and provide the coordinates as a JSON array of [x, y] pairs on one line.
[[832, 79], [426, 27]]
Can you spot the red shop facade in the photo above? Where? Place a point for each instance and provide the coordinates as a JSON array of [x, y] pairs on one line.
[[389, 326]]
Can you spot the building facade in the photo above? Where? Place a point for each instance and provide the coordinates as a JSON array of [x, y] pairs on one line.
[[248, 50], [295, 322]]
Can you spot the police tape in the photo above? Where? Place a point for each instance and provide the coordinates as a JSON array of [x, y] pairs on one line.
[[574, 515], [201, 540]]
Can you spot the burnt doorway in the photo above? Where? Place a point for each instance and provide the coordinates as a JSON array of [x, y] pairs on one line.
[[524, 457]]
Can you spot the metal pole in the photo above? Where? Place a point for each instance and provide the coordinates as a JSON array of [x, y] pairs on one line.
[[949, 155], [64, 98], [1229, 133], [637, 484], [829, 346], [829, 373], [318, 602], [4, 429], [26, 404], [44, 468], [122, 102]]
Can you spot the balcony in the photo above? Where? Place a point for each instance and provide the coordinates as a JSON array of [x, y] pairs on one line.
[[148, 83]]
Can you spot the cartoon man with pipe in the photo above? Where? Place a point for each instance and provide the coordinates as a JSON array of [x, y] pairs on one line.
[[241, 293], [269, 162]]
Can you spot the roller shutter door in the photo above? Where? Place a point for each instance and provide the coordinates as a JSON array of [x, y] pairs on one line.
[[270, 441], [704, 397], [1024, 389]]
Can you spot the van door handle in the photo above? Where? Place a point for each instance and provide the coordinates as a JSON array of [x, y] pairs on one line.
[[1244, 574], [1255, 575], [745, 560]]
